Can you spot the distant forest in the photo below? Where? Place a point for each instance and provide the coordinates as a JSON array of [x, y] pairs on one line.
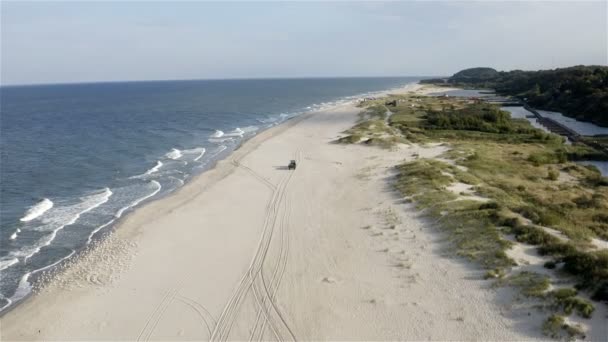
[[580, 92]]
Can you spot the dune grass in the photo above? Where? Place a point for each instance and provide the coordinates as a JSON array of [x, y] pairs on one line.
[[556, 327], [534, 189]]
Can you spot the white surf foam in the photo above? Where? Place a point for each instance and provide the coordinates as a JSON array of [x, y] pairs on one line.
[[174, 154], [6, 263], [198, 150], [237, 132], [25, 287], [14, 236], [154, 169], [155, 189], [37, 210], [250, 129], [217, 134], [8, 302], [180, 181], [219, 150], [96, 230], [220, 140], [158, 165], [61, 217]]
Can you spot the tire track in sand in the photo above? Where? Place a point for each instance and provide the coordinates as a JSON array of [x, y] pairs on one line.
[[228, 317], [278, 270], [204, 315]]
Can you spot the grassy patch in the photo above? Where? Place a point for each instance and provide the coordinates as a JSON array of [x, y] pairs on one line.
[[556, 327], [469, 223], [531, 284], [532, 184], [565, 299]]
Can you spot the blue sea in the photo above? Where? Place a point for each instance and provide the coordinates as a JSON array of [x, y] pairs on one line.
[[76, 158]]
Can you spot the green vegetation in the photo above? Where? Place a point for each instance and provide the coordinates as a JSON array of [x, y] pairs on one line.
[[531, 284], [556, 327], [566, 300], [372, 128], [534, 193], [469, 223], [474, 75], [580, 92]]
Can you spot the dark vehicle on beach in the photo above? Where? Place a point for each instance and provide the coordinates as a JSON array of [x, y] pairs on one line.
[[292, 165]]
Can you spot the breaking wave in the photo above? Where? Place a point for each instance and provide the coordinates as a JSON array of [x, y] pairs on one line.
[[37, 210], [217, 134], [174, 154], [59, 218]]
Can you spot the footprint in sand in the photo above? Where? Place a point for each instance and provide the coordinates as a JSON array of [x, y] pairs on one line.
[[329, 280]]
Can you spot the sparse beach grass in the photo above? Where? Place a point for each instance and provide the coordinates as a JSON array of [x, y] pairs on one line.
[[523, 183]]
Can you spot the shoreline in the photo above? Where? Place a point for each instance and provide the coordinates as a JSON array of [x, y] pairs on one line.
[[333, 237], [98, 236]]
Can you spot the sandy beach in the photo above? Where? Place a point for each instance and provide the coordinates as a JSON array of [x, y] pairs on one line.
[[252, 251]]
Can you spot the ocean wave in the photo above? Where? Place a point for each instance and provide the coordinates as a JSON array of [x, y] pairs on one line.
[[174, 154], [37, 210], [237, 132], [14, 235], [220, 140], [156, 188], [219, 150], [180, 181], [139, 200], [154, 169], [158, 165], [96, 230], [198, 150], [250, 129], [217, 134], [277, 119], [61, 217], [6, 263], [25, 287]]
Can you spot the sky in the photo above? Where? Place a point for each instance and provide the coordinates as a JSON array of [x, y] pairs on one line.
[[59, 42]]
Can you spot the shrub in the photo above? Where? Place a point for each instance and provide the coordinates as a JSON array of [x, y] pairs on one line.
[[511, 222], [550, 264], [529, 212], [602, 218], [531, 284], [552, 326], [489, 205], [601, 293], [557, 249], [564, 293], [556, 327], [552, 174], [533, 235], [582, 307], [548, 218], [541, 158], [591, 267], [583, 202]]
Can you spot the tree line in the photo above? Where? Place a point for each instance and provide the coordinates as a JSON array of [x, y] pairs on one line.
[[580, 92]]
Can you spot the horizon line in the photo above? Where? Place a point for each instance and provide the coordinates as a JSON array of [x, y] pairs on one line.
[[203, 79]]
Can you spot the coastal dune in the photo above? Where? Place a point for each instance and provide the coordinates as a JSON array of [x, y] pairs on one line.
[[252, 251]]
